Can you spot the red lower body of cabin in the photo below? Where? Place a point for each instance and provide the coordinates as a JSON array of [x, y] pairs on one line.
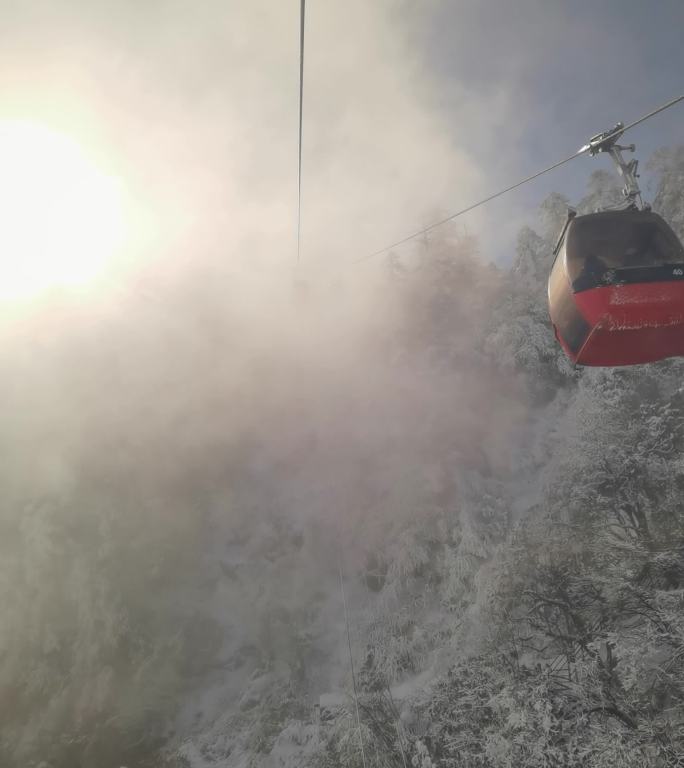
[[631, 324]]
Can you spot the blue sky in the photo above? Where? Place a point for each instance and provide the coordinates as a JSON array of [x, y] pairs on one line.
[[572, 68]]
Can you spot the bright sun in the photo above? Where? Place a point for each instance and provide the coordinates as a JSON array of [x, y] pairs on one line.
[[61, 218]]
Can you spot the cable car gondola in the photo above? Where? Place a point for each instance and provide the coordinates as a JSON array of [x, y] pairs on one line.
[[616, 288]]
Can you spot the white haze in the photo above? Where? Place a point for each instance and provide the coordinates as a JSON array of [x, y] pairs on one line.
[[197, 108], [194, 108], [192, 397]]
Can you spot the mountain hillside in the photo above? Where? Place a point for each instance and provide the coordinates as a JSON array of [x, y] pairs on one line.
[[191, 492]]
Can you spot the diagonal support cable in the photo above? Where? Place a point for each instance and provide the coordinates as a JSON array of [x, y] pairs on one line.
[[583, 150]]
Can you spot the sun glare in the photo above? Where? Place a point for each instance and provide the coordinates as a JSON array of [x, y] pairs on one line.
[[61, 218]]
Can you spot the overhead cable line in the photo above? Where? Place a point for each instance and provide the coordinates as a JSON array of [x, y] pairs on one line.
[[440, 223], [589, 147], [301, 104]]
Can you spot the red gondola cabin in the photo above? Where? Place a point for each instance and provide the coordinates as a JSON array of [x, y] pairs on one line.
[[616, 289]]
